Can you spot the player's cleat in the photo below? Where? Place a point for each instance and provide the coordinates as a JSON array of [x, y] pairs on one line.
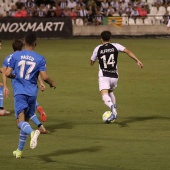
[[4, 112], [17, 153], [114, 112], [43, 116], [34, 138], [42, 129]]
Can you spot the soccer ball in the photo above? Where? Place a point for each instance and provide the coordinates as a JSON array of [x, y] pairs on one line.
[[108, 117]]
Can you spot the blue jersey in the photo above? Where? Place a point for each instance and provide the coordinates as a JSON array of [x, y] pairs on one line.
[[26, 65], [7, 60]]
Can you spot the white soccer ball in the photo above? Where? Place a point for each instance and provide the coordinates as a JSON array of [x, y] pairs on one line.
[[108, 117]]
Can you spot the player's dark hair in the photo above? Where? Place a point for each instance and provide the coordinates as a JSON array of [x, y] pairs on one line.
[[30, 39], [106, 35], [17, 45]]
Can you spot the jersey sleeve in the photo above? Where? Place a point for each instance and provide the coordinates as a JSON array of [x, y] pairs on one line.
[[119, 47], [7, 61], [42, 65], [11, 62], [94, 55]]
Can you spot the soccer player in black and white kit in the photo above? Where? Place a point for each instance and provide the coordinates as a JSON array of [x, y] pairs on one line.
[[107, 56]]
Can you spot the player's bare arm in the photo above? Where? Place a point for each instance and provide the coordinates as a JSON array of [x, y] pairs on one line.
[[92, 62], [4, 79], [41, 84], [130, 54], [8, 73], [47, 79]]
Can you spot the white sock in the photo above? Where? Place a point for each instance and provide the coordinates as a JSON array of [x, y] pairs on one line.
[[107, 100], [112, 96]]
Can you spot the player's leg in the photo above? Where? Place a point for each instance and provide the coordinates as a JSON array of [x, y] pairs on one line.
[[25, 129], [3, 112], [36, 121], [113, 85], [30, 112], [21, 105], [22, 139], [43, 116], [104, 86], [114, 106], [106, 98]]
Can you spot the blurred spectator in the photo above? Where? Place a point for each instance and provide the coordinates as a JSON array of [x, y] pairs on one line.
[[34, 12], [71, 4], [63, 4], [73, 15], [39, 2], [2, 12], [158, 3], [19, 4], [115, 4], [104, 6], [78, 6], [42, 11], [66, 12], [90, 18], [82, 3], [29, 4], [98, 18], [121, 8], [91, 5], [23, 12], [129, 9], [124, 4], [59, 11], [24, 2], [50, 10], [142, 12], [110, 11], [134, 13], [83, 12], [98, 2], [12, 11], [18, 13]]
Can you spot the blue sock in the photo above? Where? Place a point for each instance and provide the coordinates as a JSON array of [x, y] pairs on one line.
[[35, 120], [25, 126], [1, 97], [22, 140]]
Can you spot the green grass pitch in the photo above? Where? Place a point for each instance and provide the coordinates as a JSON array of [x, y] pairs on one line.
[[77, 138]]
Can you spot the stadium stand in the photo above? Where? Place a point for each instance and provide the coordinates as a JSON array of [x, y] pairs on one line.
[[156, 10]]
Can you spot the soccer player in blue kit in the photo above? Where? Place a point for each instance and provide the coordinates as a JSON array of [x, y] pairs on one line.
[[18, 45], [27, 65]]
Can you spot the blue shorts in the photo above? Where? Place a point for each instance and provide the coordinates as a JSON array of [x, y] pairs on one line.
[[26, 103]]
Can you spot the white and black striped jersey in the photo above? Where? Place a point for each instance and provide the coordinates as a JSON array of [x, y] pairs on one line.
[[107, 55]]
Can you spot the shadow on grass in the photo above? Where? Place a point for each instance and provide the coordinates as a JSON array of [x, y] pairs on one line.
[[46, 157], [54, 127], [130, 120]]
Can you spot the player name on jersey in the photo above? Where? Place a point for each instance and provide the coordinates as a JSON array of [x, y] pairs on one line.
[[27, 57], [107, 51]]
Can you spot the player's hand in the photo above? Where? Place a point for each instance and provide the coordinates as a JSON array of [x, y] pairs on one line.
[[53, 85], [6, 92], [42, 87], [139, 64]]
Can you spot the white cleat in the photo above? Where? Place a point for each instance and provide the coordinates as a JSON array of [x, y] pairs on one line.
[[114, 112], [34, 138]]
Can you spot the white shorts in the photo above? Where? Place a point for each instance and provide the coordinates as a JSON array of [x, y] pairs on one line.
[[107, 83]]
